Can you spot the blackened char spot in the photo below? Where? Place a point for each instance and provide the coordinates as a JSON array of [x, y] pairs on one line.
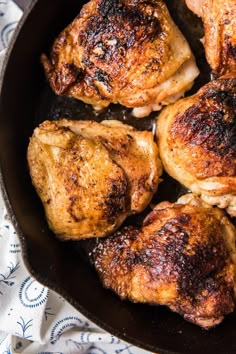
[[114, 29], [165, 246], [116, 201], [211, 123], [194, 265], [231, 50], [131, 25], [102, 76], [75, 72]]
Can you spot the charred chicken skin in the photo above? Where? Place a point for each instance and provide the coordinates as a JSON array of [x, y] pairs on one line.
[[196, 138], [219, 18], [90, 176], [183, 257], [122, 51]]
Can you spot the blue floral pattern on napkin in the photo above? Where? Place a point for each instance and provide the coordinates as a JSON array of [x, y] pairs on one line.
[[9, 16]]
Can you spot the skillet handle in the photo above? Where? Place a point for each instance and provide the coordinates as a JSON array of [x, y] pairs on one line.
[[22, 3]]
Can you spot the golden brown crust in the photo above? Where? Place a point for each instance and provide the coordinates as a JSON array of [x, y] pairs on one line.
[[119, 51], [90, 176], [78, 202], [178, 258], [196, 138], [135, 151], [207, 131]]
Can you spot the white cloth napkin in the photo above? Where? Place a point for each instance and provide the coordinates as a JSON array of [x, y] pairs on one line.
[[34, 319]]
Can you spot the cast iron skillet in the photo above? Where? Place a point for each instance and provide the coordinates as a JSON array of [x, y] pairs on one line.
[[25, 101]]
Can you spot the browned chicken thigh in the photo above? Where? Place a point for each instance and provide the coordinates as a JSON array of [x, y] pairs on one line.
[[132, 150], [90, 176], [219, 18], [183, 257], [122, 51], [197, 142]]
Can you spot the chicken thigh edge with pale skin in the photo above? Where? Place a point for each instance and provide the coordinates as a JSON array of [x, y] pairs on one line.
[[91, 176], [125, 52]]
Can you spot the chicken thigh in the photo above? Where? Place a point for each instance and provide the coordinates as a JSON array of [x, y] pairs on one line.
[[219, 18], [183, 257], [90, 176], [132, 150], [196, 138], [122, 51]]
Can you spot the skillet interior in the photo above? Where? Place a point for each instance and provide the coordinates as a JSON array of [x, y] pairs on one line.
[[26, 100]]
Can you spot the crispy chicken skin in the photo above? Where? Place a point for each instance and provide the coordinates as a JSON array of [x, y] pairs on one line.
[[90, 176], [183, 256], [196, 138], [219, 18], [131, 149], [122, 51]]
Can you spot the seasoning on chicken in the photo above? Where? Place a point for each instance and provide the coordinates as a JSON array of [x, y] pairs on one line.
[[183, 257], [122, 51], [90, 176], [219, 18], [196, 138]]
